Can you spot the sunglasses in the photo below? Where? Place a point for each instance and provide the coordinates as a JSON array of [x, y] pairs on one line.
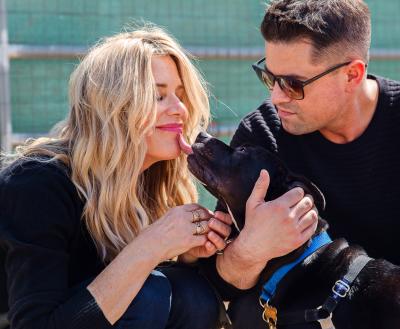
[[292, 87]]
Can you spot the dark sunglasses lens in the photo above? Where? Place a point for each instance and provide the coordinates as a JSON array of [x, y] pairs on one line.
[[292, 87], [267, 78]]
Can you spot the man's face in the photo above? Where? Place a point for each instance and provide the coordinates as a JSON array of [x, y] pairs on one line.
[[324, 103]]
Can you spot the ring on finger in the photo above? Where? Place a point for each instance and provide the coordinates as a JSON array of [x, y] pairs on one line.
[[196, 216], [200, 229], [221, 251]]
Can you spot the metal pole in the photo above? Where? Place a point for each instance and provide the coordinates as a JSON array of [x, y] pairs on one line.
[[5, 106], [17, 51]]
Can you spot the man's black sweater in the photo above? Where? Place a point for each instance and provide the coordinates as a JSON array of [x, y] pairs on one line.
[[47, 257], [360, 179]]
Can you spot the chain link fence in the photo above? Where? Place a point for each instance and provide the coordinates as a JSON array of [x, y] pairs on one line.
[[41, 41]]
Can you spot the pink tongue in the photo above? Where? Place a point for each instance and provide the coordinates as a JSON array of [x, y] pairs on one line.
[[185, 147]]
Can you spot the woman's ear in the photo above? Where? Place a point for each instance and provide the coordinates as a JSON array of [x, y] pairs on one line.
[[355, 73]]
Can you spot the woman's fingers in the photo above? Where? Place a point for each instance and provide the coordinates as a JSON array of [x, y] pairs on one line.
[[197, 213], [218, 242], [199, 240], [211, 248], [200, 228], [219, 227], [223, 217]]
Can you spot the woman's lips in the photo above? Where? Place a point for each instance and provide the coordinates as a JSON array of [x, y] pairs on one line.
[[177, 128]]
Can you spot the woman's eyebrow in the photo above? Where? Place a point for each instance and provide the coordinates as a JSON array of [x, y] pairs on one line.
[[164, 85]]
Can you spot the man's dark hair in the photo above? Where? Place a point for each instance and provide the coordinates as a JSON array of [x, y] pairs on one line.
[[335, 27]]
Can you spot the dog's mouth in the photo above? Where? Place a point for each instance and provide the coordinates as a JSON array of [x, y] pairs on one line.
[[199, 166]]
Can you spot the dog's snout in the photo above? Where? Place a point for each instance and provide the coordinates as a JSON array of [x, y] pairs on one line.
[[202, 149], [202, 137]]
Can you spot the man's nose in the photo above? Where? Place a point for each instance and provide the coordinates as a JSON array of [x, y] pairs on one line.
[[278, 96]]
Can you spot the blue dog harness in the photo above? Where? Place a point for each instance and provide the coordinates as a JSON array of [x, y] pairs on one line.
[[321, 314], [269, 288]]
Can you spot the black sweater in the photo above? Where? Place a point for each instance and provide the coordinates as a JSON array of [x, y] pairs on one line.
[[360, 179], [45, 250]]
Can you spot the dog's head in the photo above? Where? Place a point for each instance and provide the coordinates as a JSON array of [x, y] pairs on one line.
[[230, 174]]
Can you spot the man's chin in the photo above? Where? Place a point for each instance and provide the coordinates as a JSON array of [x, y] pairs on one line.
[[295, 129]]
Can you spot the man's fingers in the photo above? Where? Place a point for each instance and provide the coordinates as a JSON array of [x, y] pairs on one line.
[[293, 196], [309, 231], [303, 206], [309, 219], [260, 189]]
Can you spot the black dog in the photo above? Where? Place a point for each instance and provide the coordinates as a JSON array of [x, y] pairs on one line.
[[373, 301]]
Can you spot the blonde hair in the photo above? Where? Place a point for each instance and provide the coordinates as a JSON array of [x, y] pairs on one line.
[[112, 107]]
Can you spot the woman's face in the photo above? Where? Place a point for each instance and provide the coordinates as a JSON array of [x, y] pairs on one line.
[[162, 143]]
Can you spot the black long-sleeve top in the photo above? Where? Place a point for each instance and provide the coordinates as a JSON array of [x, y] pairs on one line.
[[47, 257]]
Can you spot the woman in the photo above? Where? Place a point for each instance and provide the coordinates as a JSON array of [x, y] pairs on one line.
[[88, 218]]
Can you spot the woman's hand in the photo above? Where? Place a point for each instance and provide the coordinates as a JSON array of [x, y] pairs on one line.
[[182, 228], [218, 230]]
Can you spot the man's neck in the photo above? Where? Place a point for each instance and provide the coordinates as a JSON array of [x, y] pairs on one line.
[[358, 115]]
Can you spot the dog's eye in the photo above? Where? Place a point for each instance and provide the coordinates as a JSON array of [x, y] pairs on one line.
[[242, 149]]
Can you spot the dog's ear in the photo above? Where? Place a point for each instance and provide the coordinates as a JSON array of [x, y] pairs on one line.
[[309, 188]]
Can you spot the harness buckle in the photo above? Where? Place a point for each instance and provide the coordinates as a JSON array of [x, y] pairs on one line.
[[340, 288]]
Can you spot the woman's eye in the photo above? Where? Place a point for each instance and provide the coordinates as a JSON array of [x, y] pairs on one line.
[[180, 96], [160, 98]]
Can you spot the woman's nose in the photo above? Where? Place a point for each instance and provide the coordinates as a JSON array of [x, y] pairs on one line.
[[177, 107]]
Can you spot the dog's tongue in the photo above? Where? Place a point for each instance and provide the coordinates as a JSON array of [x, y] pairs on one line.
[[185, 147]]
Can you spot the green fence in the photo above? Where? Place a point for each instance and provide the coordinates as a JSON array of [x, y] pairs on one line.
[[230, 27]]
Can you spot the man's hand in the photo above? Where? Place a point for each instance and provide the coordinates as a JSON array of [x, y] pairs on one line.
[[271, 229], [277, 227]]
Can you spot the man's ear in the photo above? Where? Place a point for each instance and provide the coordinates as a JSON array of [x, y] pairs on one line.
[[355, 73], [309, 188]]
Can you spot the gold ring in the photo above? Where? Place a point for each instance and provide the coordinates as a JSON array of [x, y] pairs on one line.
[[199, 229], [196, 217]]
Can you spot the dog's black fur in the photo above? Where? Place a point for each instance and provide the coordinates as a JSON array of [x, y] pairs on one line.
[[374, 299]]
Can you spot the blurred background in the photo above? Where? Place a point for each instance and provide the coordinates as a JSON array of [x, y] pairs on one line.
[[41, 41]]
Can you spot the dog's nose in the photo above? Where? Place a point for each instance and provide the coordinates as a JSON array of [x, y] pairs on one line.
[[202, 137]]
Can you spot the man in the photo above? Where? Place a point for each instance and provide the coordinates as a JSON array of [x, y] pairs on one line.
[[329, 121]]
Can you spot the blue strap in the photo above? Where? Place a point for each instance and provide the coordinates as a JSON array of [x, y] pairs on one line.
[[269, 288]]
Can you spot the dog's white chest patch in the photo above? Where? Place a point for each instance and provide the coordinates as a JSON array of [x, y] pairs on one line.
[[233, 218]]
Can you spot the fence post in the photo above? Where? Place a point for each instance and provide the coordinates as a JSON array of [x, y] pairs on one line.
[[5, 104]]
